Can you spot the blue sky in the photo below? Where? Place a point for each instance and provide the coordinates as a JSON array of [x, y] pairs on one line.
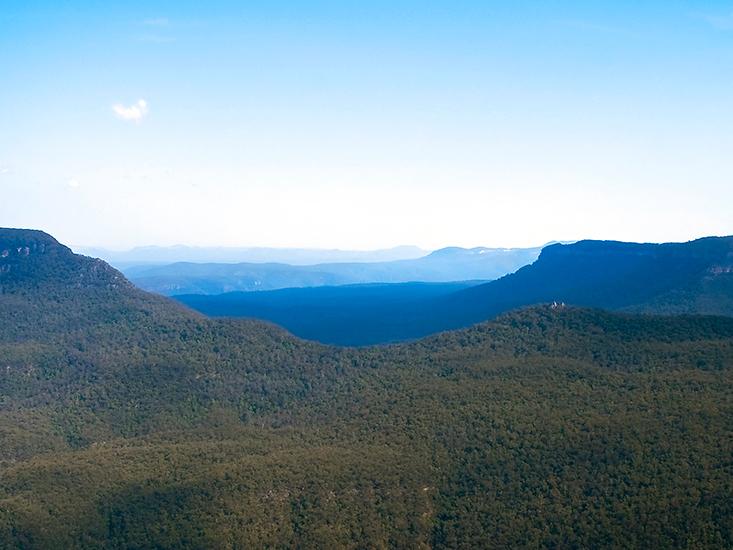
[[366, 124]]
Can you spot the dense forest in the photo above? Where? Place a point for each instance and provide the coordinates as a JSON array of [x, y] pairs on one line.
[[130, 421]]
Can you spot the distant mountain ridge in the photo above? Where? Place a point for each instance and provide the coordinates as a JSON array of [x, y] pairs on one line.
[[162, 255], [445, 265], [694, 278]]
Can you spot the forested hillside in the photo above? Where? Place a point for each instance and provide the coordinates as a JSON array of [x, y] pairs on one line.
[[692, 277], [129, 421]]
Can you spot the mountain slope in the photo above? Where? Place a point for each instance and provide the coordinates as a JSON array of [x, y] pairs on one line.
[[692, 277], [446, 265], [129, 421]]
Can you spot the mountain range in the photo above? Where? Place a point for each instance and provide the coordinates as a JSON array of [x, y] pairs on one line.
[[445, 265], [692, 277], [161, 255], [130, 421]]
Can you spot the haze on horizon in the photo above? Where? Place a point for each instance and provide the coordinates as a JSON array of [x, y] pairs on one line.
[[339, 125]]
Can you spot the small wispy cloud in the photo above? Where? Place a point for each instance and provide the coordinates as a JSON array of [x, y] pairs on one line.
[[156, 22], [134, 113], [4, 170], [73, 183]]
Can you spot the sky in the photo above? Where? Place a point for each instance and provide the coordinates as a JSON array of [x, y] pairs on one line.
[[359, 125]]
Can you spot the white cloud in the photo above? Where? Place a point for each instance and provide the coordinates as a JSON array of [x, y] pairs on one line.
[[74, 183], [134, 113]]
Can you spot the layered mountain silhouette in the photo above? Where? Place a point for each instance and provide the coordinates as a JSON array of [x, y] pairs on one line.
[[130, 421], [692, 277], [445, 265], [162, 255]]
